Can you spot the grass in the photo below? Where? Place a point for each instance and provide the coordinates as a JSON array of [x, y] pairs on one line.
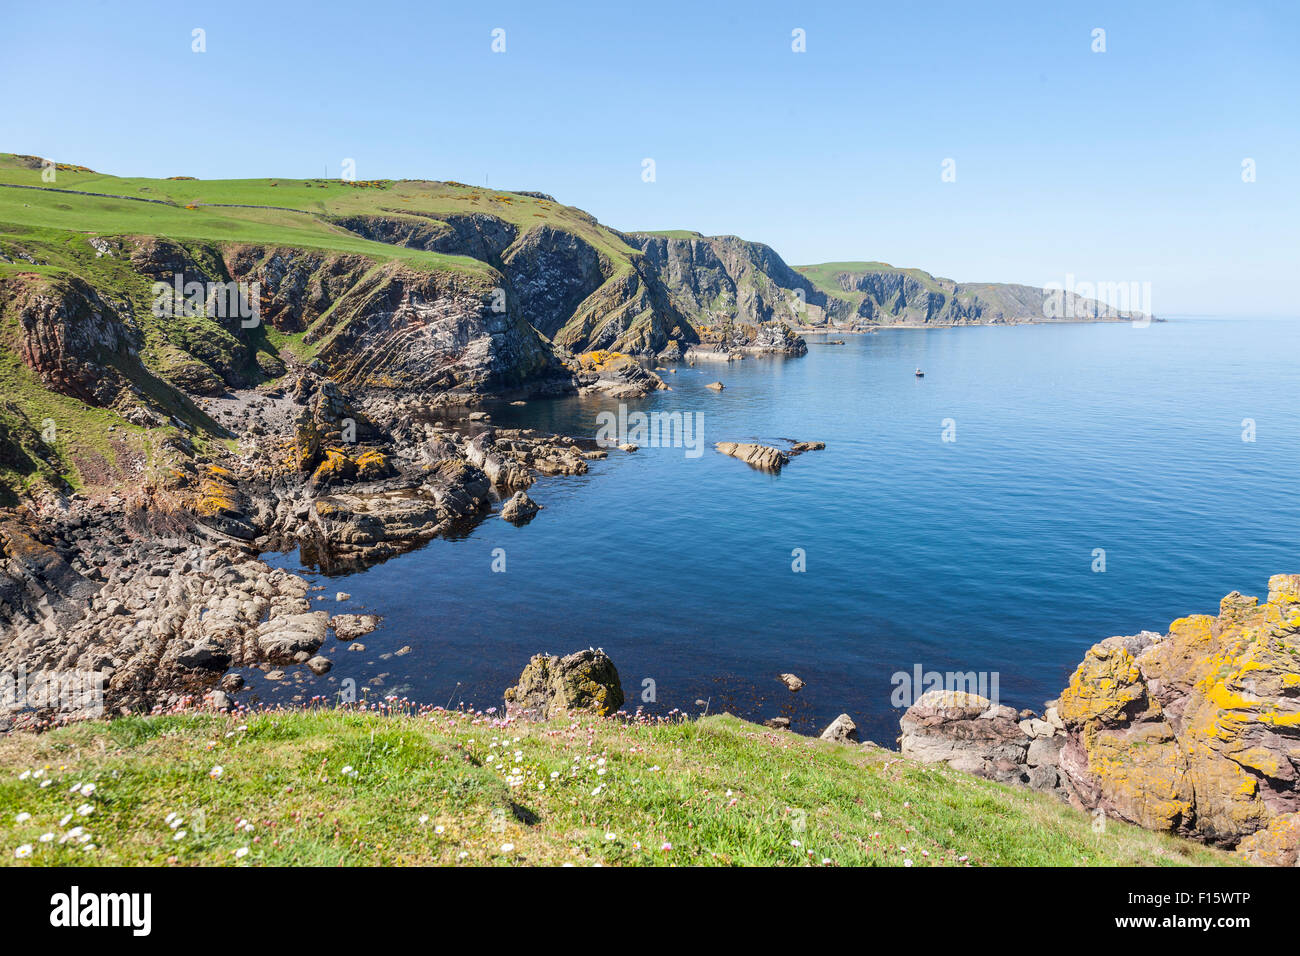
[[450, 788], [302, 208]]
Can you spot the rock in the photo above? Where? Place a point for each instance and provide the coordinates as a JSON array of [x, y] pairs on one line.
[[966, 732], [628, 447], [205, 655], [282, 637], [799, 447], [219, 700], [320, 665], [1192, 732], [716, 386], [551, 686], [791, 682], [342, 596], [348, 627], [762, 457], [520, 508], [356, 647], [841, 730], [778, 723], [231, 683], [275, 675]]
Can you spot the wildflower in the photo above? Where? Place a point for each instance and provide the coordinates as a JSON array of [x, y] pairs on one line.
[[462, 854], [507, 847], [907, 863], [47, 837], [216, 771], [45, 783], [25, 775], [241, 853], [179, 835], [85, 810], [610, 836], [23, 817], [64, 821], [424, 818], [24, 851], [439, 828], [667, 847], [87, 789], [795, 843]]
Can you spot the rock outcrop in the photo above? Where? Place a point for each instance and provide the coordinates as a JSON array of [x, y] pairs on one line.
[[1195, 732], [761, 457], [552, 686]]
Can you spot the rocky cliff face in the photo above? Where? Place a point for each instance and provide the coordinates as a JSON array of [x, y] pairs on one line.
[[718, 281], [1196, 731], [867, 295]]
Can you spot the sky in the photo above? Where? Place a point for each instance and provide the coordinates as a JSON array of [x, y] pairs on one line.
[[1122, 166]]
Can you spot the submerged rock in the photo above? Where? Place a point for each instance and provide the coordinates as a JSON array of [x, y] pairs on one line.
[[792, 682], [550, 686]]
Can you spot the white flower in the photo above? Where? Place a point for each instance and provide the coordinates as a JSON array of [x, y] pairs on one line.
[[64, 821], [216, 771], [47, 837], [24, 851], [170, 817], [45, 783], [907, 863], [22, 817], [85, 810], [241, 853], [176, 822], [424, 818], [795, 843], [87, 789], [505, 848], [76, 788], [179, 835], [610, 836], [24, 775], [439, 828], [462, 854], [555, 774]]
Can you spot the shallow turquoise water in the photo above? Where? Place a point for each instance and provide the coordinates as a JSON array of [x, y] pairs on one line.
[[971, 555]]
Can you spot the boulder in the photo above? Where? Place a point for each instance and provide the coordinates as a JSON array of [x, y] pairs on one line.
[[841, 730], [966, 732], [348, 627], [550, 686], [791, 682], [519, 508]]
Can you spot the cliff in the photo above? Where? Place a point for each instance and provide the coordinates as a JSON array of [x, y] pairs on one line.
[[1196, 731]]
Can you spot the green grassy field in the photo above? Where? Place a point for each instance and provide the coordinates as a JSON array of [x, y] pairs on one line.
[[341, 787], [300, 217]]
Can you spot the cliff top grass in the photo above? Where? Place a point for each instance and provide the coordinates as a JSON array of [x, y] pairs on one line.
[[293, 212], [342, 787]]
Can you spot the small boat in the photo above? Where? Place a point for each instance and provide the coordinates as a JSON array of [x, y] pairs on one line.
[[920, 374]]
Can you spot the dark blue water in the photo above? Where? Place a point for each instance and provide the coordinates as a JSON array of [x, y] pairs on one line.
[[972, 555]]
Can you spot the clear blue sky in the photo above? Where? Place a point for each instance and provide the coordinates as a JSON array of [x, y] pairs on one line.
[[1116, 166]]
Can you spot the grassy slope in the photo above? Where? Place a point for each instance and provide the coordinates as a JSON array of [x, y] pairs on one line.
[[298, 220], [719, 790]]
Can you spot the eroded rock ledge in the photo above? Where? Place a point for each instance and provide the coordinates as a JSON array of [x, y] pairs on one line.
[[1195, 732]]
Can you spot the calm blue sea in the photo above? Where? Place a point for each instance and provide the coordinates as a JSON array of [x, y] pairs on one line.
[[974, 555]]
